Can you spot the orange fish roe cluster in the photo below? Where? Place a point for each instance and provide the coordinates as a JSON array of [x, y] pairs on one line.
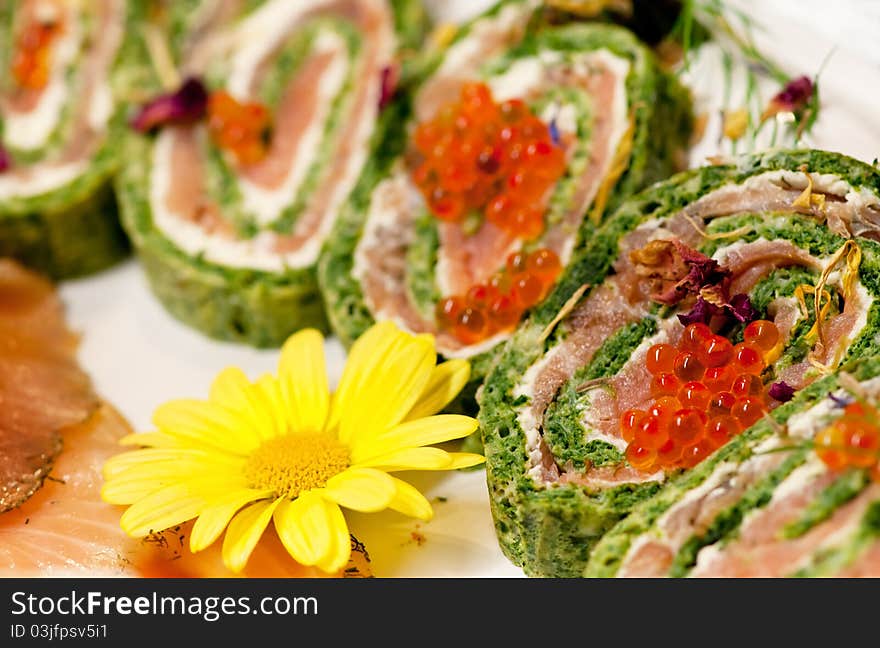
[[496, 159], [852, 441], [706, 390], [33, 48], [500, 303], [240, 128]]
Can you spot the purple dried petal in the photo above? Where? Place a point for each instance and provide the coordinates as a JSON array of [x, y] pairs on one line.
[[740, 306], [781, 391], [702, 270], [795, 94], [5, 159], [389, 80], [701, 313], [841, 401], [189, 103], [554, 132]]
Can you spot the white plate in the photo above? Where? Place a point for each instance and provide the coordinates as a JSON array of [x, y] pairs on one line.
[[140, 357]]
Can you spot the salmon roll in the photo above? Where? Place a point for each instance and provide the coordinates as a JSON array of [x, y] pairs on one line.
[[798, 495], [520, 137], [60, 114], [700, 306], [237, 169]]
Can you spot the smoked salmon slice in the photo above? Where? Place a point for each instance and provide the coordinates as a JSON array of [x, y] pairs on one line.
[[42, 390]]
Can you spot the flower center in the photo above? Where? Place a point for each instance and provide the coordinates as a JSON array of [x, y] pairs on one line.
[[294, 463]]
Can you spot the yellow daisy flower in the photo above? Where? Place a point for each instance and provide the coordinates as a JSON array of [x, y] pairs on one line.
[[284, 449]]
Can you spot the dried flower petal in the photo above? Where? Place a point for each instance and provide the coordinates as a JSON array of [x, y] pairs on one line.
[[554, 132], [390, 80], [793, 97], [675, 270], [592, 8], [701, 313], [735, 123], [796, 93], [715, 295], [713, 303], [189, 103], [702, 269], [841, 401], [740, 306], [781, 391], [443, 35]]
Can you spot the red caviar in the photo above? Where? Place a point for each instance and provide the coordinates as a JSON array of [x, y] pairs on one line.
[[706, 391], [240, 128], [665, 384], [852, 441], [33, 48], [499, 304], [762, 334], [498, 160]]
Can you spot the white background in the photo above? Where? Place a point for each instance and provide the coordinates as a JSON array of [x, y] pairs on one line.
[[138, 356]]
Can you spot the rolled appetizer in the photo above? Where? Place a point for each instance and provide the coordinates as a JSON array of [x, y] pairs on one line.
[[701, 304], [59, 117], [237, 173], [798, 495], [520, 137]]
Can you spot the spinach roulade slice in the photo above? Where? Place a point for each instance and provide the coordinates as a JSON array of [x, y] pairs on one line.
[[520, 137], [228, 213], [709, 300], [60, 115], [797, 495]]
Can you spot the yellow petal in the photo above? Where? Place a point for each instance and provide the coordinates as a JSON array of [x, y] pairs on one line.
[[149, 440], [162, 509], [275, 407], [203, 424], [383, 378], [361, 489], [128, 491], [311, 529], [409, 501], [409, 459], [413, 434], [244, 533], [302, 376], [447, 380], [138, 482], [465, 460], [216, 516], [232, 391], [422, 459], [378, 337], [186, 460], [337, 557]]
